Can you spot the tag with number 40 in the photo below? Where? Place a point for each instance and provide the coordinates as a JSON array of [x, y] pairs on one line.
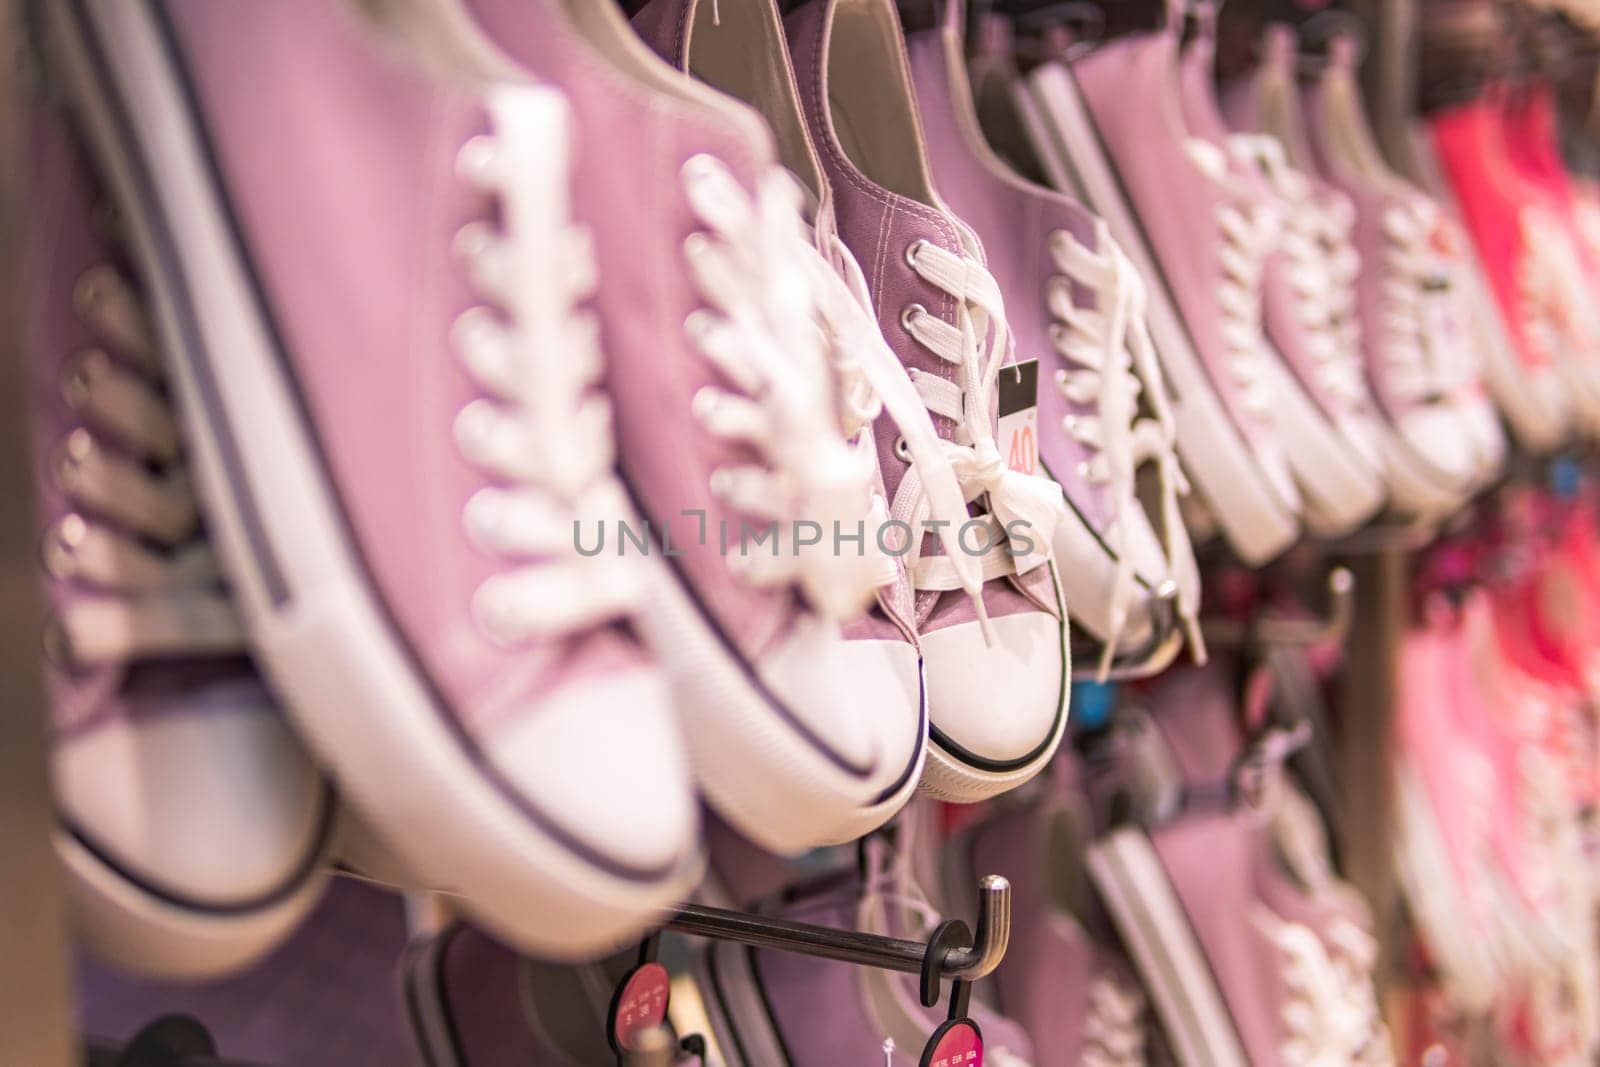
[[1019, 416]]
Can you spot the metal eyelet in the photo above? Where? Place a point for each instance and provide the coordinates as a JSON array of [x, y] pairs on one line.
[[902, 450], [911, 251], [70, 456], [58, 551], [910, 313], [79, 375]]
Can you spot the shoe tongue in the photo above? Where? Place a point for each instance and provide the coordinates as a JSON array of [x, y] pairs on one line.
[[739, 50]]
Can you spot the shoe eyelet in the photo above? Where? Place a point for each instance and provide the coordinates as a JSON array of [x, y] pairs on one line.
[[70, 456], [909, 314], [902, 450], [912, 249], [58, 551], [79, 375]]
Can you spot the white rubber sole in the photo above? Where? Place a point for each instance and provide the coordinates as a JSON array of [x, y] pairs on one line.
[[1340, 492], [323, 639], [949, 777], [1134, 889], [1416, 490], [755, 770], [1258, 522], [157, 938]]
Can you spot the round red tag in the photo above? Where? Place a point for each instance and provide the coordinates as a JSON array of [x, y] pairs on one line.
[[640, 1004], [957, 1043]]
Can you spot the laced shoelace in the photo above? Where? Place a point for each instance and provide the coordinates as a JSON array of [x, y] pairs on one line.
[[1354, 955], [1247, 241], [1417, 371], [1321, 267], [541, 427], [1551, 281], [1322, 1027], [134, 536], [975, 346], [1114, 1028], [871, 381], [751, 267], [1114, 363]]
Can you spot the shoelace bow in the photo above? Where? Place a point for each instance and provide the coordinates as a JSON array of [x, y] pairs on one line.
[[1110, 345], [1014, 499], [542, 427], [754, 268], [872, 381], [1248, 238], [135, 539]]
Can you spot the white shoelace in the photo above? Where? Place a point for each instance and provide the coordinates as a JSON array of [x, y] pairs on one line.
[[1315, 265], [136, 540], [1115, 362], [760, 330], [1553, 287], [871, 381], [1322, 1028], [1247, 241], [1417, 372], [541, 428], [975, 346]]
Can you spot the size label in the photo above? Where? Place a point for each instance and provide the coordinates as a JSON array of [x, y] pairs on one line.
[[1018, 435], [640, 1004], [957, 1043]]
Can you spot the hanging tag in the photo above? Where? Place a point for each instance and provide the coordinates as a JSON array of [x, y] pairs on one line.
[[957, 1043], [1019, 416], [640, 1002]]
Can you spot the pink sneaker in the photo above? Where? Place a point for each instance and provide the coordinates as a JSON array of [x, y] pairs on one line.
[[1461, 340], [1403, 287], [725, 407], [743, 53], [1524, 252], [1444, 800], [1112, 126], [1066, 983], [394, 426], [1076, 302], [193, 828], [1531, 404], [996, 663], [1330, 432]]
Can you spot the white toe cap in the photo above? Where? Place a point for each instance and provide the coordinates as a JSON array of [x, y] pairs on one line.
[[1437, 435], [887, 693], [214, 809], [604, 762], [998, 705], [810, 673]]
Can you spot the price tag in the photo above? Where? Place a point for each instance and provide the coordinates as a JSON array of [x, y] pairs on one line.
[[640, 1004], [1019, 416], [957, 1043]]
